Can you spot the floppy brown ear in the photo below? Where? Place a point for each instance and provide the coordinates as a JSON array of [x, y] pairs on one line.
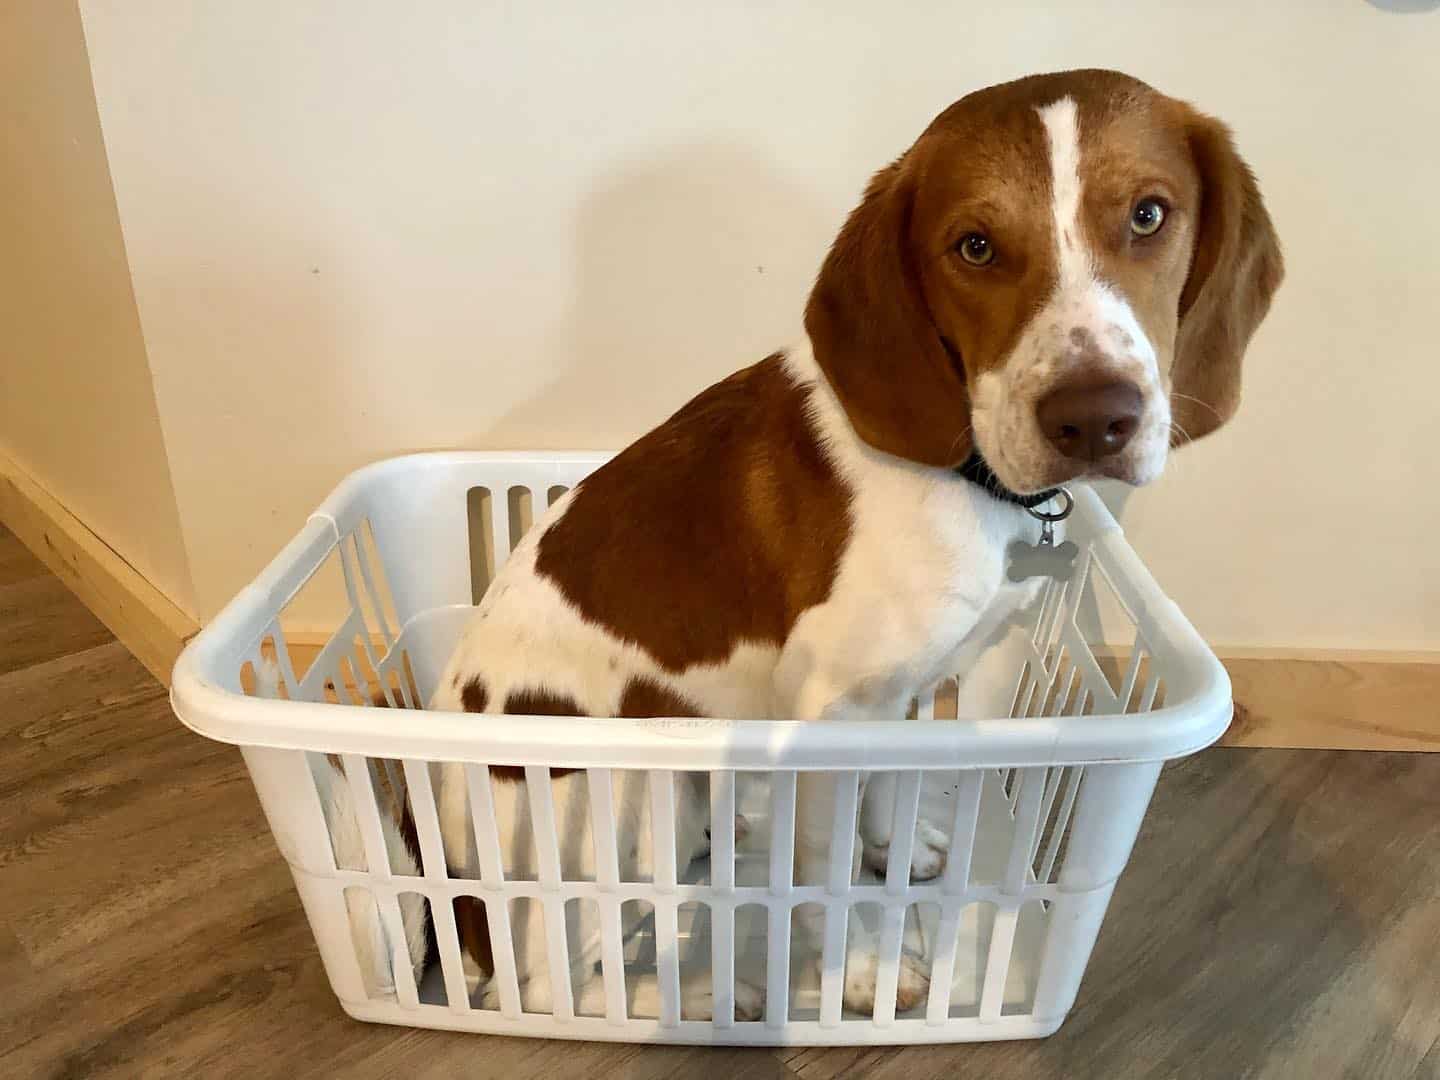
[[875, 340], [1236, 268]]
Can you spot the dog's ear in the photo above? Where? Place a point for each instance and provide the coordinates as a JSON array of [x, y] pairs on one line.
[[874, 337], [1235, 270]]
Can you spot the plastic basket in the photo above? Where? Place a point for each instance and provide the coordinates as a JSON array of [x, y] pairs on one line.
[[1042, 783]]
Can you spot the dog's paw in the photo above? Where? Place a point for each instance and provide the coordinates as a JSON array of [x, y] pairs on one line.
[[927, 855], [742, 833], [697, 999], [749, 1001], [742, 829], [862, 968], [474, 975], [535, 996], [914, 984]]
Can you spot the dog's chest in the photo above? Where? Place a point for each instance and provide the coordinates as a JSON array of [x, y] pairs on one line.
[[923, 584]]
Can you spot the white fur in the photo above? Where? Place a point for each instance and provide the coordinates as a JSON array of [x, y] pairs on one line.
[[373, 948], [919, 592], [525, 634], [1003, 412], [577, 863]]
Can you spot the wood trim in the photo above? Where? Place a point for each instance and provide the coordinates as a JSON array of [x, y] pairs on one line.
[[1336, 703], [144, 620], [1375, 656], [1327, 699]]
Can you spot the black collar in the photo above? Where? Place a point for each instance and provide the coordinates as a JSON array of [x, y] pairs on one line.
[[978, 472]]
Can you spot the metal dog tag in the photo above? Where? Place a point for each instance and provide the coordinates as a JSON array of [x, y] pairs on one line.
[[1045, 559]]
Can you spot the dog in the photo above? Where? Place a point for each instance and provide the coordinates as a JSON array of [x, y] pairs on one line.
[[1056, 282]]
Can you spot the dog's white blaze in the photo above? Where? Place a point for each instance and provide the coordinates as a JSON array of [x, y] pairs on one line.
[[1062, 129], [1081, 300], [1048, 351]]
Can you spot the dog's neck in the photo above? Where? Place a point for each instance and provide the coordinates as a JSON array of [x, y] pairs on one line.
[[977, 471]]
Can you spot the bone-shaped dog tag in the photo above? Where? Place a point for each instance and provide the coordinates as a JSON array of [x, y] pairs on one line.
[[1045, 559]]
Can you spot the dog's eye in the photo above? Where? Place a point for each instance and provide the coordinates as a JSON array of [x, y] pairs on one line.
[[975, 248], [1147, 217]]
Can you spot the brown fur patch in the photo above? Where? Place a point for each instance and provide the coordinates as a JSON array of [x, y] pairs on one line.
[[474, 932], [1235, 271], [541, 702], [720, 526], [535, 702], [409, 834], [474, 697], [1133, 146], [901, 324], [644, 697]]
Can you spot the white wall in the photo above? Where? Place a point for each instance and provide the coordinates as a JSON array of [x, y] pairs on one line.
[[359, 229], [77, 411]]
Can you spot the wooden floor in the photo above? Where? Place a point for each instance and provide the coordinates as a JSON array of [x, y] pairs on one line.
[[1280, 917]]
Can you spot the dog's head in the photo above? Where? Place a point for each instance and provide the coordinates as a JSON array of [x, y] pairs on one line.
[[1063, 272]]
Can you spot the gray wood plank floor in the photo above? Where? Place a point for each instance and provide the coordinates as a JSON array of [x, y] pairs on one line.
[[1280, 917]]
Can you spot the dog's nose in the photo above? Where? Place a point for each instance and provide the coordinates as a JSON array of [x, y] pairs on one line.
[[1089, 419]]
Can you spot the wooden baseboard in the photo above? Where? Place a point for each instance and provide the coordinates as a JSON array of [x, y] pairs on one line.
[[137, 613], [1337, 701], [1296, 698]]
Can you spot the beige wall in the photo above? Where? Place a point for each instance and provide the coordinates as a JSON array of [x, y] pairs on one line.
[[356, 232], [77, 409]]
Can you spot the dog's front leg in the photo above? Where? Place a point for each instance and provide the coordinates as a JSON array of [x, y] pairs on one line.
[[877, 827], [822, 800]]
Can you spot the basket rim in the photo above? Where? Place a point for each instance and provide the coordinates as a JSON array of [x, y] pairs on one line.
[[208, 708]]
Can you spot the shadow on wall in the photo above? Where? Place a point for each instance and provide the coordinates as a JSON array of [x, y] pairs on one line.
[[689, 266]]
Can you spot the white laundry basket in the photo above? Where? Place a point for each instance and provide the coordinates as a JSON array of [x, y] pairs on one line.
[[1043, 793]]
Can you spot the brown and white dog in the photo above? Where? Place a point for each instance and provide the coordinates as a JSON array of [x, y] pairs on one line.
[[1061, 275]]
